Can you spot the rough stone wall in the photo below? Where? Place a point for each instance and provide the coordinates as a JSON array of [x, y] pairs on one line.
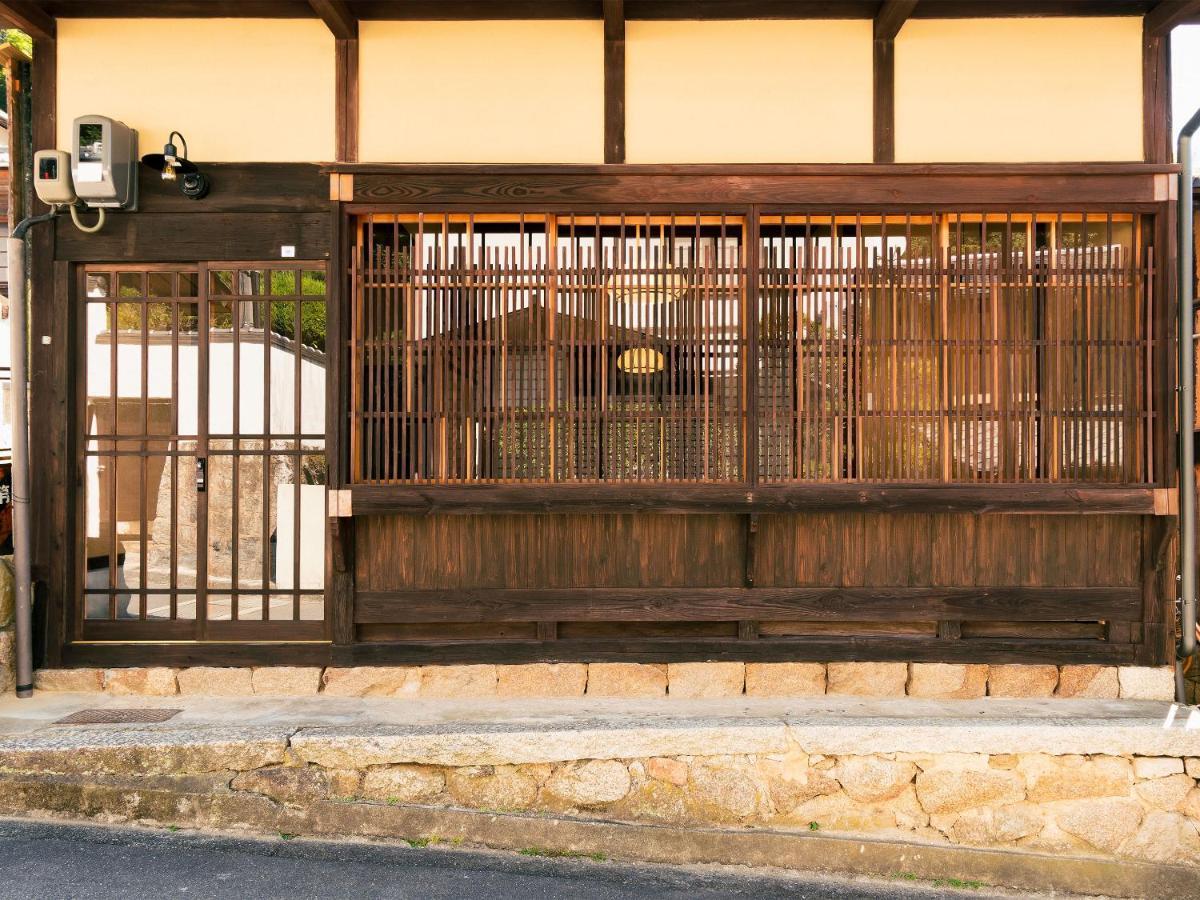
[[8, 645], [689, 681], [248, 530], [1144, 807], [1113, 806]]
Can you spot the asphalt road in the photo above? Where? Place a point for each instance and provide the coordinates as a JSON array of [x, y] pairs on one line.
[[51, 860]]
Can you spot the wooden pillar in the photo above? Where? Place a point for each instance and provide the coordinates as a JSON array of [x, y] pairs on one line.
[[884, 75], [342, 23], [1156, 95], [340, 587], [53, 367], [339, 18], [614, 81], [346, 62], [888, 22]]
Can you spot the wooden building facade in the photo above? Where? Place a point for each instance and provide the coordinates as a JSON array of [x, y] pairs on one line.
[[642, 330]]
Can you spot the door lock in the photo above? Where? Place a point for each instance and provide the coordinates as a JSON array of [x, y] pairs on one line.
[[201, 475]]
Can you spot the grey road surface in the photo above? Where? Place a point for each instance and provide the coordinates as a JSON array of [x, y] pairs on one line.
[[52, 860]]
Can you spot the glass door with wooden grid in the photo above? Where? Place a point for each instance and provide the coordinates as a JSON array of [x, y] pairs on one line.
[[203, 406]]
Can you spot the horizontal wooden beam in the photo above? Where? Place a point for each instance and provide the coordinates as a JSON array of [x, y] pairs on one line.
[[721, 604], [1169, 13], [895, 187], [827, 170], [591, 9], [891, 18], [239, 187], [741, 498], [155, 237], [823, 649], [338, 18], [226, 630], [197, 653], [28, 17]]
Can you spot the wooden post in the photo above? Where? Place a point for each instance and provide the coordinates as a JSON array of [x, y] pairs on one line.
[[884, 80], [339, 591], [888, 21], [1156, 94], [52, 371], [614, 81], [346, 87]]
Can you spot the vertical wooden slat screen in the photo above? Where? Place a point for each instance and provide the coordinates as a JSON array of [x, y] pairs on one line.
[[548, 348], [999, 347]]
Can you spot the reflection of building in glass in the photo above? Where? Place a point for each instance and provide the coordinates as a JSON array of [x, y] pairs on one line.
[[244, 400]]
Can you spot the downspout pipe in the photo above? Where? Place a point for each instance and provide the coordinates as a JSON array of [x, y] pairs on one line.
[[20, 449], [1187, 407]]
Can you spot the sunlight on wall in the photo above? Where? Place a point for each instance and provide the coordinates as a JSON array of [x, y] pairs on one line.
[[1019, 90], [489, 91], [244, 90], [748, 91]]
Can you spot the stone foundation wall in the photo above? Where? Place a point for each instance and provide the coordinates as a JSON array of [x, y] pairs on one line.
[[631, 681], [8, 638], [1034, 792], [1144, 808]]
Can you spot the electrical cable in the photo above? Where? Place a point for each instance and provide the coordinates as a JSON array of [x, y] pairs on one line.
[[87, 229]]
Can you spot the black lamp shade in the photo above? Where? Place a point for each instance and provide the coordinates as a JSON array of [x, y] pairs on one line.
[[158, 162]]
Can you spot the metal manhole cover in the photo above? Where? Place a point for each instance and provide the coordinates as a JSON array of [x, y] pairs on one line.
[[117, 716]]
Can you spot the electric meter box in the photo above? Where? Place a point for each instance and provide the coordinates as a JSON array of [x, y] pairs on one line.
[[52, 177], [104, 162]]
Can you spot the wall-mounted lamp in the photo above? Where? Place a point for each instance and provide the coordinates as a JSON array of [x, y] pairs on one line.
[[172, 165]]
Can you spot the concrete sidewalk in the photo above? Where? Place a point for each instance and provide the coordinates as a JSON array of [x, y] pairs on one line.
[[22, 716]]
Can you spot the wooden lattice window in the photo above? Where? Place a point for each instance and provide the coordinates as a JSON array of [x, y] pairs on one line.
[[728, 348]]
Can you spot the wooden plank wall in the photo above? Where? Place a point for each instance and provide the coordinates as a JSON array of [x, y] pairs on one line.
[[249, 214], [890, 585]]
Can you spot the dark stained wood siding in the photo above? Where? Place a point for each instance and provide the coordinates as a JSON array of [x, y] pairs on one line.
[[512, 573], [886, 580]]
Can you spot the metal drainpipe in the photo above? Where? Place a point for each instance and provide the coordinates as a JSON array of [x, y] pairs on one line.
[[20, 449], [1187, 409]]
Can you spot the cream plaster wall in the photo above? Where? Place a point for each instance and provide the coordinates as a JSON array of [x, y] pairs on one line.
[[1019, 90], [1012, 90], [238, 89], [485, 91], [748, 91]]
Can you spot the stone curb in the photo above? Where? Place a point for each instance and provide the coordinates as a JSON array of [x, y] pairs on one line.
[[145, 751], [39, 798], [504, 743], [210, 748]]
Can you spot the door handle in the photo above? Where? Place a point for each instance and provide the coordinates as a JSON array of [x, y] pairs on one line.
[[201, 474]]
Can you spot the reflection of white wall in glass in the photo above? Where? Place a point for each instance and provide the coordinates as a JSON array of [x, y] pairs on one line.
[[252, 361], [283, 357], [312, 536]]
